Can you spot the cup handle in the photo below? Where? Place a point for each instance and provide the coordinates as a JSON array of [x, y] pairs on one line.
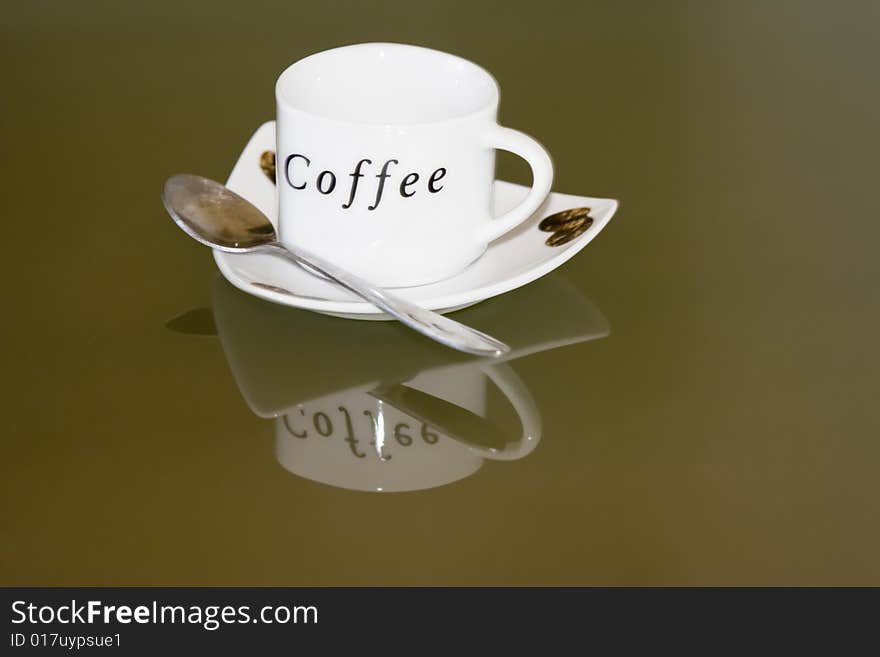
[[519, 397], [539, 160]]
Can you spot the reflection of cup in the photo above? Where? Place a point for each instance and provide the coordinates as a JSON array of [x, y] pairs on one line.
[[371, 406], [386, 161], [376, 439]]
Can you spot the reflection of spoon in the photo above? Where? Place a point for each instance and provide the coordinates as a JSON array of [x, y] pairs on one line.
[[218, 217], [450, 419], [198, 321]]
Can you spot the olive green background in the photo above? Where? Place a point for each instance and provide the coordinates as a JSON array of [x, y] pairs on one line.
[[727, 431]]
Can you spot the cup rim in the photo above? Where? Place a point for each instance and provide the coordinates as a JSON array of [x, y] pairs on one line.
[[489, 106]]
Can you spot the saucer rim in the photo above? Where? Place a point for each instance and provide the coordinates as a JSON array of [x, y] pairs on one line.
[[447, 303]]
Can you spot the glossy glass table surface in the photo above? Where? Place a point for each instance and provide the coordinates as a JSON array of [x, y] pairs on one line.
[[692, 399]]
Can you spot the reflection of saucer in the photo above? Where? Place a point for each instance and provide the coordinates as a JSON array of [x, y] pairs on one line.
[[281, 358], [510, 262]]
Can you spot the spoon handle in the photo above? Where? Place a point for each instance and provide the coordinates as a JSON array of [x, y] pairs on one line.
[[433, 325]]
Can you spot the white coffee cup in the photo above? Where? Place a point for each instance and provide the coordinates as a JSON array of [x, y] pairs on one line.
[[385, 161]]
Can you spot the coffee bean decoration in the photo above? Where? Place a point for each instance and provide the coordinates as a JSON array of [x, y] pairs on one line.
[[267, 164], [566, 225], [561, 237], [565, 220]]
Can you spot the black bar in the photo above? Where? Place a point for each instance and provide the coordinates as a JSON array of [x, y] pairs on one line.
[[415, 619]]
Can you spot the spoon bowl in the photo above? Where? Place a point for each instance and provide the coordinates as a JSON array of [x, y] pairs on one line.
[[216, 216]]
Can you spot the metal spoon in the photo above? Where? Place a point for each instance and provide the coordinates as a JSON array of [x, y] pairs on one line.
[[218, 217]]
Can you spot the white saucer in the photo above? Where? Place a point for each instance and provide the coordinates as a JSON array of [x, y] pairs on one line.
[[510, 262]]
